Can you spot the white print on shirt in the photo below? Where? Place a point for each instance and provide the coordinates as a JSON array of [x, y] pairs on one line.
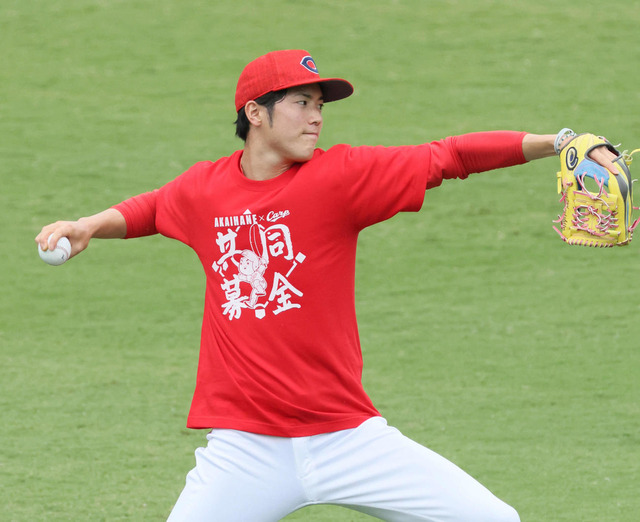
[[235, 266]]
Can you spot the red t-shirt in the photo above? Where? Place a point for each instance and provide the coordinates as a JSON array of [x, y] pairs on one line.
[[280, 353]]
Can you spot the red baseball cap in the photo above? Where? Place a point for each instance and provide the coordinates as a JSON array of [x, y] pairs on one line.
[[279, 70]]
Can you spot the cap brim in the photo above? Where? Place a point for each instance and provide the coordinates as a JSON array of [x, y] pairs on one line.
[[334, 89]]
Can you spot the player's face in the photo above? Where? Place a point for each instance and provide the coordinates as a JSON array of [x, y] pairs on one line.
[[296, 123]]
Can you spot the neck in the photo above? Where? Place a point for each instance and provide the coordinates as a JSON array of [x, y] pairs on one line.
[[261, 165]]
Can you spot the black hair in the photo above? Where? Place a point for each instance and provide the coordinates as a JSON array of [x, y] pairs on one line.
[[269, 101]]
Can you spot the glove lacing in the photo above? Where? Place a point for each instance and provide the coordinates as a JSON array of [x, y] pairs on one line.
[[581, 214], [628, 158]]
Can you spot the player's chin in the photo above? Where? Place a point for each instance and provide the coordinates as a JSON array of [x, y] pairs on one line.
[[310, 141], [305, 154]]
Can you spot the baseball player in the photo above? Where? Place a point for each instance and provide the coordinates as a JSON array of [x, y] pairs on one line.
[[275, 226]]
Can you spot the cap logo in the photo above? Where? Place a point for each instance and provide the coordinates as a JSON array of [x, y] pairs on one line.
[[308, 63]]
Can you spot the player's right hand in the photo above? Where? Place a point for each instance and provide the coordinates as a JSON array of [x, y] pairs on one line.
[[78, 235]]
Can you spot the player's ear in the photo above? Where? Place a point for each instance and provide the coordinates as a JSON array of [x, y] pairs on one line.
[[253, 113]]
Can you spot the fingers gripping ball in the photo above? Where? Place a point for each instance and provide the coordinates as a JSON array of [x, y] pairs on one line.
[[58, 255], [598, 205]]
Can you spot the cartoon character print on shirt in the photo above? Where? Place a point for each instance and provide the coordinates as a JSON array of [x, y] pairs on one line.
[[248, 277]]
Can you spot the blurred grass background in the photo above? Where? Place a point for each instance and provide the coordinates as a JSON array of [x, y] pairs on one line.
[[484, 336]]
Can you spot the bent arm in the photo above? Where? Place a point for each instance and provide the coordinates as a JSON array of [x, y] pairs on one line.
[[109, 224]]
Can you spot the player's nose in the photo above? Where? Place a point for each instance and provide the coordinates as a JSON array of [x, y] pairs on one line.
[[316, 117]]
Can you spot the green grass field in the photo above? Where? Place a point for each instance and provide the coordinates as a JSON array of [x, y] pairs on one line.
[[484, 336]]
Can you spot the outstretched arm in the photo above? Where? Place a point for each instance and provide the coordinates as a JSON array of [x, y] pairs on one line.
[[537, 146], [109, 224]]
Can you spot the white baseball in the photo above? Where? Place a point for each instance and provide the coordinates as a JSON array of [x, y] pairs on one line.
[[59, 254]]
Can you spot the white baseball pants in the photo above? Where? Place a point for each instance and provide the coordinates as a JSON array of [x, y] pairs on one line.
[[374, 469]]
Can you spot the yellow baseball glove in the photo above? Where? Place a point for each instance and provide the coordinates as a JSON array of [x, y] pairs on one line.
[[598, 206]]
